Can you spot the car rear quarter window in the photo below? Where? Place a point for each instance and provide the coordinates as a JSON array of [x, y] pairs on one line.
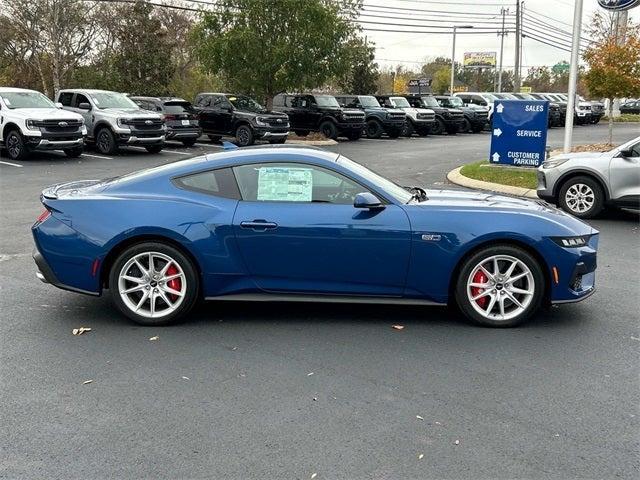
[[219, 183]]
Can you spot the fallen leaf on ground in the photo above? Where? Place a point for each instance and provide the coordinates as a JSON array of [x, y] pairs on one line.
[[80, 331], [398, 327], [185, 378], [419, 417], [457, 442], [87, 382], [309, 374], [313, 475], [315, 399], [420, 456], [438, 423], [153, 339]]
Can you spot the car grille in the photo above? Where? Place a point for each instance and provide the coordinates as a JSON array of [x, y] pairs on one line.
[[481, 115], [278, 121], [59, 126], [397, 115], [457, 115], [427, 116], [597, 108], [354, 117], [146, 123]]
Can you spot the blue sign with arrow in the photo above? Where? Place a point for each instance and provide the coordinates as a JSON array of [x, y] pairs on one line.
[[519, 132]]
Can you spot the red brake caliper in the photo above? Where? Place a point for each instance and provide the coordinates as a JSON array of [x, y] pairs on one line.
[[175, 283], [479, 277]]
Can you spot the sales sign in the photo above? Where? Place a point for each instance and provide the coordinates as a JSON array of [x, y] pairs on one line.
[[519, 132]]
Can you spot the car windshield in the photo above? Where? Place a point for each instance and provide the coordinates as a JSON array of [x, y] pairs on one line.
[[113, 100], [430, 101], [400, 102], [178, 107], [326, 101], [248, 104], [368, 101], [390, 188], [26, 100], [489, 97], [526, 96], [452, 102]]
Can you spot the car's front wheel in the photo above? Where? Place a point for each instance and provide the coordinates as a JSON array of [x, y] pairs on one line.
[[106, 142], [15, 144], [500, 286], [153, 283], [581, 196], [244, 136]]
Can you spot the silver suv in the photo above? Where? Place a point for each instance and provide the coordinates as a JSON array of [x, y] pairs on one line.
[[114, 120], [583, 183]]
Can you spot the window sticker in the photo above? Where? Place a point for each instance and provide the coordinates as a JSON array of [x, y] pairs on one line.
[[284, 184]]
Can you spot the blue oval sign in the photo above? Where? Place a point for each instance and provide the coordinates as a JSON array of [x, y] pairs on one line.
[[618, 5]]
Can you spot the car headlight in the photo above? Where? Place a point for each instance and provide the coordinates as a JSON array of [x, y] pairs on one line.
[[553, 163], [123, 122], [32, 124], [261, 121], [572, 242]]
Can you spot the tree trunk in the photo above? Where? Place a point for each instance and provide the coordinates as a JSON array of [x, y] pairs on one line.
[[269, 101], [610, 120]]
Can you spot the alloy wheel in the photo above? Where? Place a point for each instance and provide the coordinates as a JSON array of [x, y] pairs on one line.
[[243, 136], [152, 284], [13, 146], [580, 198], [103, 141], [500, 287]]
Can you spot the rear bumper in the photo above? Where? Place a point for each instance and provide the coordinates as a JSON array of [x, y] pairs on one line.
[[183, 134], [45, 274]]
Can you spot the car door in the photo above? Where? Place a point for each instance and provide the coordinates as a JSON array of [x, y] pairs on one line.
[[79, 98], [302, 112], [206, 115], [624, 175], [298, 232]]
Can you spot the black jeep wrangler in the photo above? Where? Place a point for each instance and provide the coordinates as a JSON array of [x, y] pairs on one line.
[[310, 112], [450, 120], [239, 116], [378, 120]]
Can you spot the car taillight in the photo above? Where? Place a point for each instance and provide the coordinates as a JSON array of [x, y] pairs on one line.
[[169, 117], [43, 216]]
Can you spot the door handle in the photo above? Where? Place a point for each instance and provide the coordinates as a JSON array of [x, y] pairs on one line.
[[259, 225]]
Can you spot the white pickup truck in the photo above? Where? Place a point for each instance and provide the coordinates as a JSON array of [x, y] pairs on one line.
[[30, 121]]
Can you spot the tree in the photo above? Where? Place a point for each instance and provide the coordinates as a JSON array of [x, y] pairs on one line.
[[264, 48], [362, 74], [614, 65], [441, 80]]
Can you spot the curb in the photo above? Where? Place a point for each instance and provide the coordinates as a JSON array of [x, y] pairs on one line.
[[454, 176], [314, 143]]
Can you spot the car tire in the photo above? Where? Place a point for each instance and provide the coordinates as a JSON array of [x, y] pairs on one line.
[[582, 197], [438, 127], [301, 133], [408, 129], [106, 142], [488, 306], [374, 129], [329, 130], [214, 138], [244, 136], [15, 145], [190, 142], [354, 135], [154, 148], [278, 141], [424, 131], [73, 152], [127, 293], [466, 128]]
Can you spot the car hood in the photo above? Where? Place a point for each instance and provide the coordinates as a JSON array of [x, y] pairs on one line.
[[45, 114], [130, 112], [580, 155]]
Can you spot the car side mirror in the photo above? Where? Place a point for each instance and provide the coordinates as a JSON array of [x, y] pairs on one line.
[[625, 153], [84, 106], [368, 201], [58, 104]]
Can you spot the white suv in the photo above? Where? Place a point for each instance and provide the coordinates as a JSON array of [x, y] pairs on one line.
[[30, 121]]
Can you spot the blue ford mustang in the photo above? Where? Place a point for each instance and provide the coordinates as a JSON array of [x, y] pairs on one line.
[[286, 223]]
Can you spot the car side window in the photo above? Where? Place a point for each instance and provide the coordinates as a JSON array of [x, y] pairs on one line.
[[294, 182], [79, 98], [65, 98], [635, 150], [203, 101], [220, 183]]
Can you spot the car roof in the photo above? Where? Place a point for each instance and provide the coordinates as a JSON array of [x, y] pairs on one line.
[[14, 89], [159, 99], [87, 90]]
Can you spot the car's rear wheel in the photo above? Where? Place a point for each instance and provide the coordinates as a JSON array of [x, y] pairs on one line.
[[581, 196], [153, 283], [500, 286]]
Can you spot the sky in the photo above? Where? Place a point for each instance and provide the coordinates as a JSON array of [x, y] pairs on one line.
[[412, 49]]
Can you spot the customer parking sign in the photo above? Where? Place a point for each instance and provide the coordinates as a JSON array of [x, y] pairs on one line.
[[519, 132]]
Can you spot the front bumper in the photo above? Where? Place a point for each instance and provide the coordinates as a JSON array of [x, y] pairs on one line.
[[40, 143], [152, 139], [393, 125], [345, 127], [546, 182], [572, 271]]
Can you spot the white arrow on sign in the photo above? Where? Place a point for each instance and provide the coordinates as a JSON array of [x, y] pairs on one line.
[[497, 132], [499, 108], [496, 157]]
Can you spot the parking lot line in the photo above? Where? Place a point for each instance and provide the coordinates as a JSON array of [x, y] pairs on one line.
[[211, 145], [11, 164], [96, 156], [179, 153]]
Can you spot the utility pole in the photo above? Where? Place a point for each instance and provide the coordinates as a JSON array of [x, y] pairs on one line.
[[502, 34], [453, 55], [516, 70], [522, 37], [573, 74]]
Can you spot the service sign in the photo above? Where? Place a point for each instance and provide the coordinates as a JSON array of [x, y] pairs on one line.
[[618, 5], [479, 59], [519, 132]]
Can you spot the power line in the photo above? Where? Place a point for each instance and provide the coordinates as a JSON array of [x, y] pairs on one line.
[[446, 12], [437, 19], [471, 32]]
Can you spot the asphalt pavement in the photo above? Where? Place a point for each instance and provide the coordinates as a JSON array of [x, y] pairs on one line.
[[271, 391]]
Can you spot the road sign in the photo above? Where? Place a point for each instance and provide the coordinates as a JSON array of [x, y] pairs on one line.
[[420, 82], [519, 132]]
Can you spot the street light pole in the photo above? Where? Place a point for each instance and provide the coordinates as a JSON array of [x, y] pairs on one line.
[[503, 11], [573, 75], [453, 54]]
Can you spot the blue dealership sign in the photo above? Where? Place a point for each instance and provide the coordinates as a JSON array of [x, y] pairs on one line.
[[519, 132]]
